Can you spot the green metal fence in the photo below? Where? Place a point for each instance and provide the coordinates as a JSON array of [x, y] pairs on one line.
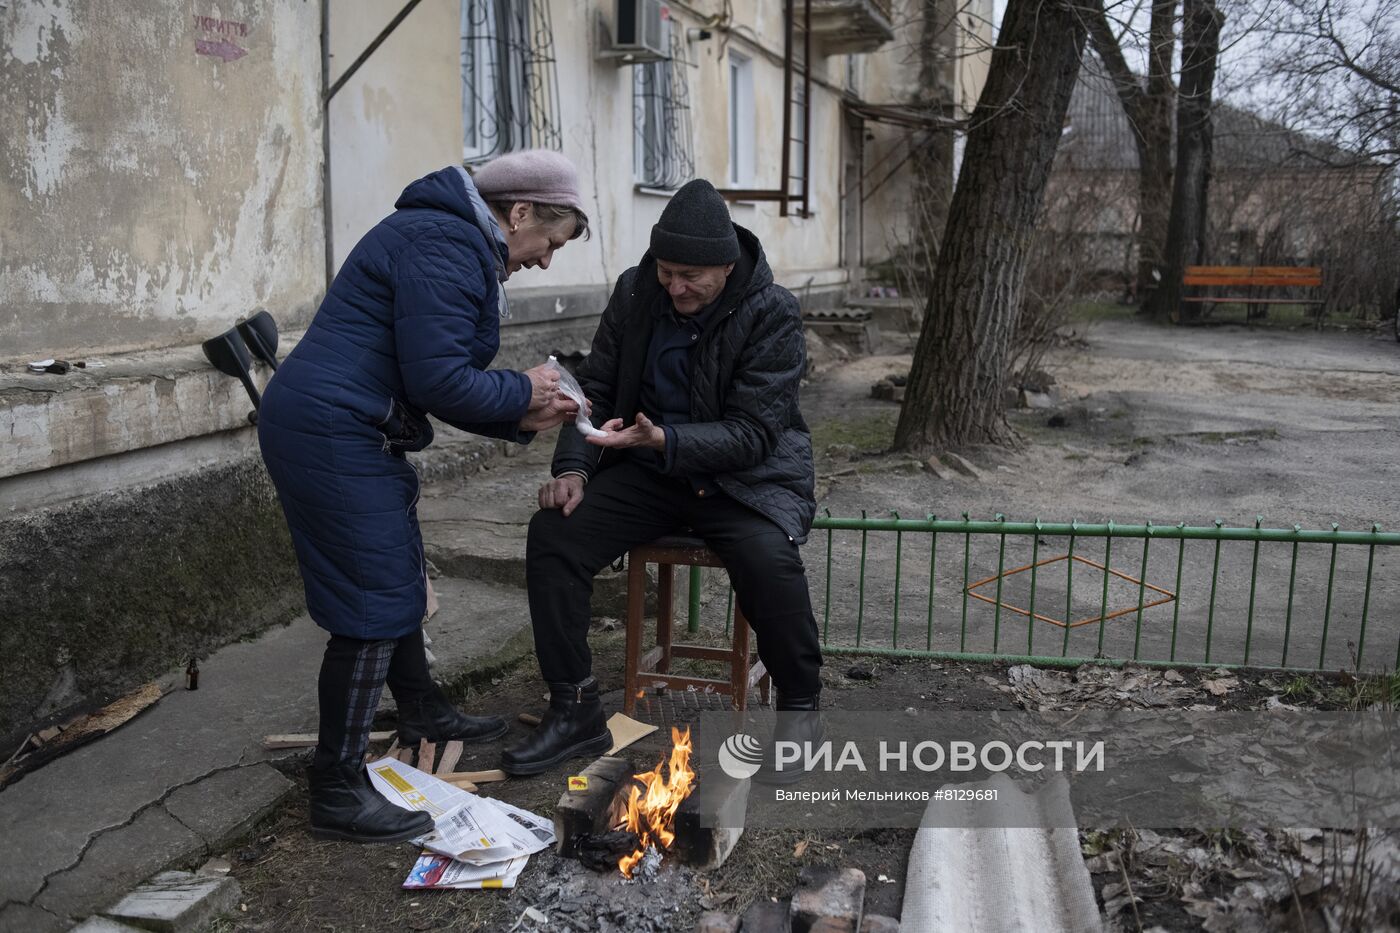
[[1066, 593]]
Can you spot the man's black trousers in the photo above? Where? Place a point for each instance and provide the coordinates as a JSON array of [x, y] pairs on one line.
[[629, 504]]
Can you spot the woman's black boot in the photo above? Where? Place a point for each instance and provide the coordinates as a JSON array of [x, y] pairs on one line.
[[432, 716], [572, 727], [344, 805]]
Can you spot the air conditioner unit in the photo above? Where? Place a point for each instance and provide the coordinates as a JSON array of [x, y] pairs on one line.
[[641, 32]]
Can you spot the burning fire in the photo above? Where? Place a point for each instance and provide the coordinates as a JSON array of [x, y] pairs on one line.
[[651, 807]]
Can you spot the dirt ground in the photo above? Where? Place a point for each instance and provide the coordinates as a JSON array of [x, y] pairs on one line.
[[292, 882], [1152, 425], [1168, 426]]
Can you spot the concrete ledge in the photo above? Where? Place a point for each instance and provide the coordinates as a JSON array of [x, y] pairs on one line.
[[132, 402]]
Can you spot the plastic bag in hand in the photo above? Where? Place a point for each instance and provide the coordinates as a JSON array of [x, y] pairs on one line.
[[570, 387]]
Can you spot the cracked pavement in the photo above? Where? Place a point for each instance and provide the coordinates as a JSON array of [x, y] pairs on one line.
[[189, 777]]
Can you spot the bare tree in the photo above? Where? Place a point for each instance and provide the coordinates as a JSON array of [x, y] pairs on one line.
[[1147, 101], [955, 393], [1333, 70], [1200, 47]]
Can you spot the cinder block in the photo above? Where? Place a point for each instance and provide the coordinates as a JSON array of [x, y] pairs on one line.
[[177, 902], [828, 894], [586, 811], [767, 917], [710, 821]]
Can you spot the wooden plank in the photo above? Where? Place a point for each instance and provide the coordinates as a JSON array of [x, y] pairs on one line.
[[1285, 276], [646, 664], [427, 751], [703, 653], [681, 682], [406, 756], [1238, 300], [530, 719], [308, 739], [451, 754], [458, 780], [483, 777]]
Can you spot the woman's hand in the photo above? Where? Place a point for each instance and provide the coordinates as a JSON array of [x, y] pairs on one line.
[[554, 413], [544, 387], [642, 434]]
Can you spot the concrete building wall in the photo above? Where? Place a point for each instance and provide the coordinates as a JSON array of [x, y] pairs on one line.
[[400, 117], [154, 182]]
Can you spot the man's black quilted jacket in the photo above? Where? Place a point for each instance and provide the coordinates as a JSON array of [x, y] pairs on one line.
[[745, 428]]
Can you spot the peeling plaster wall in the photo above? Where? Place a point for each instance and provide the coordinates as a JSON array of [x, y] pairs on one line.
[[400, 117], [150, 194]]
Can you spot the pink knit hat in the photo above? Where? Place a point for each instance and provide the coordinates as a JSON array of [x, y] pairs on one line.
[[541, 176]]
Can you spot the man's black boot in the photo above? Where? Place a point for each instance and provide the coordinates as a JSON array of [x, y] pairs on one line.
[[345, 806], [799, 722], [572, 727], [432, 716]]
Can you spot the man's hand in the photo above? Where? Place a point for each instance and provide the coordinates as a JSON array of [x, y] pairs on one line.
[[544, 387], [554, 413], [564, 493], [642, 434]]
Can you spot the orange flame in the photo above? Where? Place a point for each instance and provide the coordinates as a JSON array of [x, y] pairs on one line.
[[651, 807]]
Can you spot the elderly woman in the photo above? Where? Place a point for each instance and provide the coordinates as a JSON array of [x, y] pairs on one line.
[[406, 330]]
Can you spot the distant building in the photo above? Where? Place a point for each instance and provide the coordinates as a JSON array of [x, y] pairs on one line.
[[1277, 197]]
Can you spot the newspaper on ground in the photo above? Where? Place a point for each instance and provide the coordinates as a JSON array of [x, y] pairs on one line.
[[439, 872], [480, 831]]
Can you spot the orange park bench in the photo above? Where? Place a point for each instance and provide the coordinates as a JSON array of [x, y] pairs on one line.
[[1205, 283]]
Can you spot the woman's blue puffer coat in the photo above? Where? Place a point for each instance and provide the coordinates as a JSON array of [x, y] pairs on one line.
[[407, 329]]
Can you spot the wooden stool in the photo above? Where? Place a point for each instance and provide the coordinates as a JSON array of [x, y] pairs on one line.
[[655, 665]]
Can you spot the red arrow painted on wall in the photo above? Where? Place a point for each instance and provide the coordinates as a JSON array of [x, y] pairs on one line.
[[223, 49]]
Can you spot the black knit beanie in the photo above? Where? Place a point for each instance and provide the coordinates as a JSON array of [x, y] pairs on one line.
[[695, 229]]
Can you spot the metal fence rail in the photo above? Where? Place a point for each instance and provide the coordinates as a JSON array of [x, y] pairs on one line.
[[1018, 588], [1059, 593]]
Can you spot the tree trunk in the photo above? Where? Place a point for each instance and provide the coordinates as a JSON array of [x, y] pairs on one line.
[[959, 374], [932, 162], [1200, 48], [1148, 107]]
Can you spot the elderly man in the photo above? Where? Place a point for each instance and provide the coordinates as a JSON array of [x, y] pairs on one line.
[[694, 372]]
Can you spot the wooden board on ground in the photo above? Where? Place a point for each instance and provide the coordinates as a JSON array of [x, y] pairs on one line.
[[451, 754], [483, 777], [457, 780], [308, 739], [626, 730], [78, 731]]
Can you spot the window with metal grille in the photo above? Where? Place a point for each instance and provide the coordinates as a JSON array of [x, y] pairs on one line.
[[510, 89], [662, 151]]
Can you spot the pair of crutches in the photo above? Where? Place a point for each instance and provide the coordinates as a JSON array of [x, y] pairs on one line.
[[233, 352]]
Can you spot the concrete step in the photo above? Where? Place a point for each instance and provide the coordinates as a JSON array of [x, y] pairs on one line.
[[476, 530]]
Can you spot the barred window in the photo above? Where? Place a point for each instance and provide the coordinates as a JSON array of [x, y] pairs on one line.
[[662, 155], [510, 89]]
